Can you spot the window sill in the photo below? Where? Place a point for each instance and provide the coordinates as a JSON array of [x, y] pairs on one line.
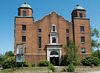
[[82, 32], [82, 42], [23, 31], [67, 33], [39, 48], [23, 42]]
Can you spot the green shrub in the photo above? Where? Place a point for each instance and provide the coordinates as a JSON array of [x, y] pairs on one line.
[[64, 62], [88, 61], [71, 68], [51, 67], [9, 62], [34, 64], [27, 64], [44, 63]]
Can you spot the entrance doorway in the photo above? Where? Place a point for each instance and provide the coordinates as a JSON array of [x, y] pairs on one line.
[[54, 60]]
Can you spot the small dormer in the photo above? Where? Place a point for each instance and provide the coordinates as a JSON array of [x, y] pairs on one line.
[[25, 10], [78, 12]]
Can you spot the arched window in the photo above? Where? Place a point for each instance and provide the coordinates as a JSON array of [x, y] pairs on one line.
[[54, 53]]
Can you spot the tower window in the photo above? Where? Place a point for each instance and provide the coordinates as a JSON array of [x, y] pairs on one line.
[[39, 30], [39, 42], [82, 50], [53, 39], [67, 41], [82, 39], [82, 28], [67, 31], [23, 38], [24, 13], [80, 14], [53, 28], [23, 27]]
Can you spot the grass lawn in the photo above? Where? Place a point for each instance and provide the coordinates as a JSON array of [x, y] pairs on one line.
[[26, 69]]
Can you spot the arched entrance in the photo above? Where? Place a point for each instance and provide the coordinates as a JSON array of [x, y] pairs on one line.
[[54, 58]]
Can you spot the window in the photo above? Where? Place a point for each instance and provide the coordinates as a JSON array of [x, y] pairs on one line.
[[53, 28], [67, 41], [24, 13], [54, 53], [82, 39], [67, 31], [82, 28], [23, 38], [80, 14], [23, 27], [39, 42], [39, 30], [82, 50], [53, 39]]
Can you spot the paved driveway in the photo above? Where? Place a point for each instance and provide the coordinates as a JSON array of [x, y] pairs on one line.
[[94, 72]]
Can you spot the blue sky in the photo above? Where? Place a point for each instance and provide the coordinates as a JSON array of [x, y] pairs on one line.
[[8, 11]]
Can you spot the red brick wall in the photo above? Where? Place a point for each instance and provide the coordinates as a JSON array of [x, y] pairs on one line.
[[45, 24]]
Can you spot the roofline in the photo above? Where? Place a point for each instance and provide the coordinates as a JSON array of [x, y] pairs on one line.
[[81, 18], [23, 16], [25, 8]]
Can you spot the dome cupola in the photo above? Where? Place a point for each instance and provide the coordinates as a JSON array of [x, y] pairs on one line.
[[25, 10], [25, 5], [78, 8]]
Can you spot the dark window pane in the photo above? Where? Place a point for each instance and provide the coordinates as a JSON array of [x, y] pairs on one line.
[[53, 39], [81, 15], [23, 27], [39, 42], [82, 28], [82, 39], [67, 31], [23, 38], [54, 53], [53, 28], [67, 41], [39, 30], [24, 13], [82, 50]]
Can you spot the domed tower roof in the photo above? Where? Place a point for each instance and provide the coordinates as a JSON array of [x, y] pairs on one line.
[[79, 8], [25, 5]]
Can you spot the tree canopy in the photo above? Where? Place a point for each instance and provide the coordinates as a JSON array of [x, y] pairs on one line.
[[72, 52], [94, 42]]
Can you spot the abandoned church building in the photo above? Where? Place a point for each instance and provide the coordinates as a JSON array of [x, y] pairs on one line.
[[45, 39]]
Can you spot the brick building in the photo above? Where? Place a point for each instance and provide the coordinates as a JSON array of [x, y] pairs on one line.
[[44, 39]]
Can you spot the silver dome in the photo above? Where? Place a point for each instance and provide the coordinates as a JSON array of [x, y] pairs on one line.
[[25, 5], [79, 8]]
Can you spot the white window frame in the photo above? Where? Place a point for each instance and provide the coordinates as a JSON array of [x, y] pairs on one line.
[[52, 28]]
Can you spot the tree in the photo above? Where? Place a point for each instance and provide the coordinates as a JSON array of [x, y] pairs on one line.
[[96, 54], [94, 43], [72, 52], [9, 54], [2, 58]]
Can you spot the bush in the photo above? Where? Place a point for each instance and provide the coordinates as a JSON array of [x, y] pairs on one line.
[[27, 64], [88, 61], [44, 63], [71, 68], [9, 62], [64, 62], [51, 67], [34, 64]]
